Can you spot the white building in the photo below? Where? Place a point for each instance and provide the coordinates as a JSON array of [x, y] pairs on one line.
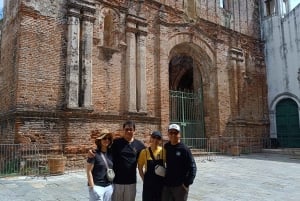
[[281, 34]]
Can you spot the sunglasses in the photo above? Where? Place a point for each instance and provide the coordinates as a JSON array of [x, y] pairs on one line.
[[106, 138], [173, 132]]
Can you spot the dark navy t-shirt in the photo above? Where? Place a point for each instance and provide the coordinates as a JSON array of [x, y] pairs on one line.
[[125, 155], [99, 170], [181, 166]]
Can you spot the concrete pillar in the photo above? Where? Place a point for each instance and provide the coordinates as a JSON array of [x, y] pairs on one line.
[[236, 60], [163, 71], [86, 59], [273, 130], [141, 73], [131, 67], [236, 87], [72, 71]]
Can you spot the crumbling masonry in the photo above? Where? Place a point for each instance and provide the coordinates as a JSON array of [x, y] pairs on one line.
[[71, 66]]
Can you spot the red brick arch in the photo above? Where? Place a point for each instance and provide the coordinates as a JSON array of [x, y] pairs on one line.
[[190, 38], [187, 44], [195, 47]]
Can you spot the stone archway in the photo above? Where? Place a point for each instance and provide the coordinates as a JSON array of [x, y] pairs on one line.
[[189, 76], [197, 46]]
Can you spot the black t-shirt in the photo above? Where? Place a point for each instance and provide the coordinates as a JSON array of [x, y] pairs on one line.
[[125, 155], [99, 170]]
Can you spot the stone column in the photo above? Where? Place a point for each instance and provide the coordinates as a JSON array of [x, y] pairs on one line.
[[163, 70], [235, 84], [72, 68], [86, 59], [236, 60], [141, 70], [131, 67], [273, 130]]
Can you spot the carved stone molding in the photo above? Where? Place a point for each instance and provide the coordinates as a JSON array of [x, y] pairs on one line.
[[107, 52], [236, 54]]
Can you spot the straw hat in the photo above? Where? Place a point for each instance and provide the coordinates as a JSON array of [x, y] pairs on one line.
[[105, 132]]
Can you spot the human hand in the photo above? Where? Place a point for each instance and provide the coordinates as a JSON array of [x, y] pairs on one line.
[[91, 153], [185, 188]]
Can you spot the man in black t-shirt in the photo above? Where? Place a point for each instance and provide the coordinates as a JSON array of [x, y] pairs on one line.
[[125, 152], [181, 167]]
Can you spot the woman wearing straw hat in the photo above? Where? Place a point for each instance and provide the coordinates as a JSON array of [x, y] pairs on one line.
[[100, 188]]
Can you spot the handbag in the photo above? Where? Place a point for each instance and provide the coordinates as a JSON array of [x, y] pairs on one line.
[[110, 174], [159, 170]]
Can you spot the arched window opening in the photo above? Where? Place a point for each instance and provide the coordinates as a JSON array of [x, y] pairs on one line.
[[270, 7]]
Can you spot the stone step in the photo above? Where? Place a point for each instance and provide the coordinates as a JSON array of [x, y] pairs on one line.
[[201, 152], [284, 151]]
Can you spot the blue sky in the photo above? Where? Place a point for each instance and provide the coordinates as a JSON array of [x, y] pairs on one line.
[[294, 3]]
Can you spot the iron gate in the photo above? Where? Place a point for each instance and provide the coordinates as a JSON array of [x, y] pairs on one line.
[[186, 109]]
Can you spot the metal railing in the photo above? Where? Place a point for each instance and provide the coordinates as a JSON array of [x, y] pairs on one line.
[[43, 160], [40, 159], [224, 145]]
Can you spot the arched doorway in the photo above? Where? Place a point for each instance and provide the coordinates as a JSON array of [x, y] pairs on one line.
[[186, 102], [287, 123]]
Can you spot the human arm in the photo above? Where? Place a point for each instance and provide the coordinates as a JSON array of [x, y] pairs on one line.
[[141, 171], [164, 156], [89, 169], [191, 169], [141, 164]]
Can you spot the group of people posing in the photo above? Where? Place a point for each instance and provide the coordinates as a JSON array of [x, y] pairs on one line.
[[125, 154]]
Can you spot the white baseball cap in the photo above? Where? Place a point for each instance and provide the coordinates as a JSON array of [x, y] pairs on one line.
[[175, 127]]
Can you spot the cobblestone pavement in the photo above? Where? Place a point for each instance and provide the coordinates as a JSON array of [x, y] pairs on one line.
[[257, 177]]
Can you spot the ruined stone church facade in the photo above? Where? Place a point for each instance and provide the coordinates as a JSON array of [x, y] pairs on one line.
[[71, 66]]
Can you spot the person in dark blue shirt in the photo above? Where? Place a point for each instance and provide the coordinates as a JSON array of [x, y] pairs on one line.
[[125, 152], [181, 167]]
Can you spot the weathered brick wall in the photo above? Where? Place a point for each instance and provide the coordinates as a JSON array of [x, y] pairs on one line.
[[8, 70], [9, 62], [234, 97], [42, 62]]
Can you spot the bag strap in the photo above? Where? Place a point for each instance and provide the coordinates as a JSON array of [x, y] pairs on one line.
[[104, 159], [151, 154]]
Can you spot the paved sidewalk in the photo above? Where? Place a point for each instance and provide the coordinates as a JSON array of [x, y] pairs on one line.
[[256, 177]]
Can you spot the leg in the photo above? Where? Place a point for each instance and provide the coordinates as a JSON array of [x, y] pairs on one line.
[[166, 194], [108, 193], [118, 192], [180, 193], [130, 192], [96, 194]]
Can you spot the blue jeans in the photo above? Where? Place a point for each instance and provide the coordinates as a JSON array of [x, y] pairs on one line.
[[99, 193]]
